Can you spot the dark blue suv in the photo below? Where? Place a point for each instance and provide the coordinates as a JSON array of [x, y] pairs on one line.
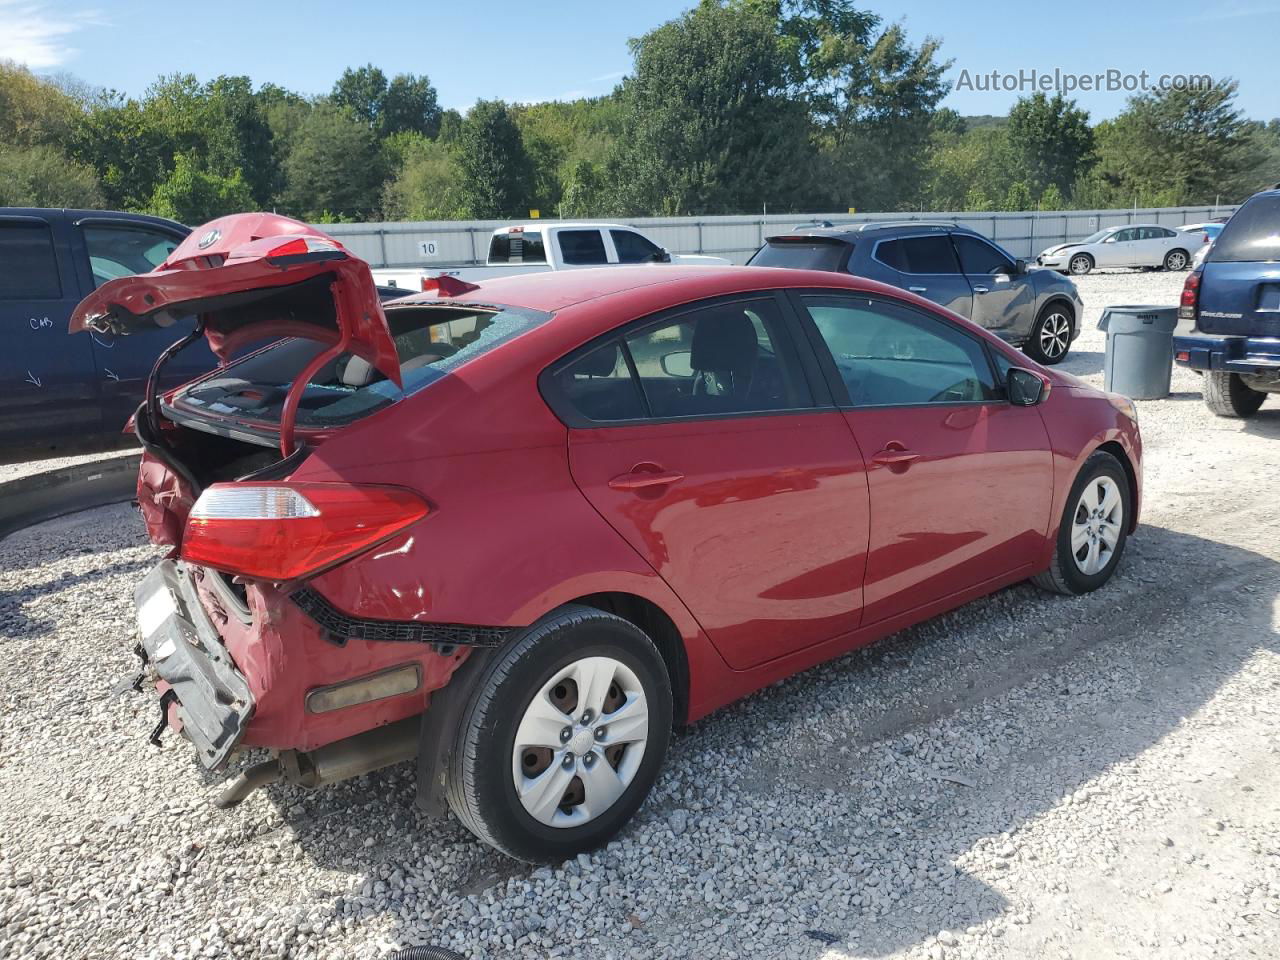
[[1233, 303], [55, 388]]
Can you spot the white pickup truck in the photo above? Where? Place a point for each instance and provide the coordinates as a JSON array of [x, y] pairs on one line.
[[537, 247]]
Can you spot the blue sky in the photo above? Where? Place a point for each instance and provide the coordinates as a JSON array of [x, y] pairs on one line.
[[567, 48]]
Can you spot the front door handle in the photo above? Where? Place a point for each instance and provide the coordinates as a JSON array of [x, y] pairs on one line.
[[895, 455], [644, 475], [918, 289], [979, 289]]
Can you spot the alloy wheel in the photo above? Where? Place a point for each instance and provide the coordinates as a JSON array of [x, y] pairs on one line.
[[1055, 335], [1096, 525], [580, 742], [1177, 260], [1080, 265]]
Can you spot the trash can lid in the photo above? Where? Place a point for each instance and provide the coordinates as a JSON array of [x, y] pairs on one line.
[[1162, 317]]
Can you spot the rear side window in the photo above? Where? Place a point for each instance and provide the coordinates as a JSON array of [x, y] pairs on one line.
[[582, 247], [521, 247], [1253, 234], [919, 254], [718, 360], [28, 265], [633, 248], [802, 254], [978, 256]]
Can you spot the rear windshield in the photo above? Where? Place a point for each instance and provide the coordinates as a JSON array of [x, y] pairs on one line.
[[1252, 234], [802, 254], [431, 341], [517, 247]]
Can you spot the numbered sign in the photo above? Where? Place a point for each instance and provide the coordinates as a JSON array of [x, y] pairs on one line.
[[428, 249]]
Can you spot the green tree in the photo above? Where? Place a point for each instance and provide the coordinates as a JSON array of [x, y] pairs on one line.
[[405, 103], [708, 122], [427, 183], [42, 176], [193, 196], [497, 177], [1050, 142], [334, 164], [584, 191]]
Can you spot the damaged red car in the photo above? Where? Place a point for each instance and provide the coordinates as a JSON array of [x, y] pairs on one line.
[[517, 531]]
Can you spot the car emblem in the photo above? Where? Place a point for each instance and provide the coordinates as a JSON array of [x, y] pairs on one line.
[[209, 239]]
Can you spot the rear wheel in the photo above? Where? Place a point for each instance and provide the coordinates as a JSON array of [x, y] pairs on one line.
[[1050, 337], [1227, 395], [564, 738], [1080, 264], [1093, 531], [1176, 260]]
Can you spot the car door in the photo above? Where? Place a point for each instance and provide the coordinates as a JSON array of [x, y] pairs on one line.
[[48, 384], [1004, 300], [1119, 249], [926, 265], [698, 437], [960, 480], [106, 248]]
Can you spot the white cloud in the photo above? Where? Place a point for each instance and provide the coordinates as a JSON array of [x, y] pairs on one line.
[[33, 34]]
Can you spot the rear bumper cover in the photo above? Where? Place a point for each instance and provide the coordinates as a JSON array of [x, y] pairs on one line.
[[1248, 355], [214, 702]]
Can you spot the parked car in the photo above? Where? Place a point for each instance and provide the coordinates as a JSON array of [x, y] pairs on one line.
[[559, 513], [1140, 245], [1233, 304], [539, 247], [950, 265], [1207, 232], [57, 389]]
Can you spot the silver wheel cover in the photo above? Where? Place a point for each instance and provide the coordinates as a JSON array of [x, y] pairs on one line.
[[1096, 525]]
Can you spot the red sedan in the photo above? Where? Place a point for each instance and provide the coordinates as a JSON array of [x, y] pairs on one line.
[[517, 531]]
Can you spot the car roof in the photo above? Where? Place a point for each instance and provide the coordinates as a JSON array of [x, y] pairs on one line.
[[551, 291], [850, 232]]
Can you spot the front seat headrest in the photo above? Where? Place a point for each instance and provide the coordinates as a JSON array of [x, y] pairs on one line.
[[724, 341]]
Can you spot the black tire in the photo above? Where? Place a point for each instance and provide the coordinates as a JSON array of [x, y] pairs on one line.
[[1044, 343], [1063, 575], [1227, 395], [1177, 260], [1078, 264], [481, 791]]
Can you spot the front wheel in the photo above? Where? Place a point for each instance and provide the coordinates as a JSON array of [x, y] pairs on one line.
[[1080, 264], [1093, 531], [1227, 395], [1176, 260], [1050, 337], [565, 737]]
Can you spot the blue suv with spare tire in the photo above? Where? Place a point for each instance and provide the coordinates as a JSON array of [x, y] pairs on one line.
[[1036, 309]]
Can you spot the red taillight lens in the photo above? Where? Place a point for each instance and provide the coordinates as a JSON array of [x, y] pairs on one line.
[[304, 245], [283, 531], [1190, 296]]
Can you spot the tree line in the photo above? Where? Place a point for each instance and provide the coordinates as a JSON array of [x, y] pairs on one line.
[[736, 106]]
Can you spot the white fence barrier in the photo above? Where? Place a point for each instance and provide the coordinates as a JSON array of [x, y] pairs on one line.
[[454, 243]]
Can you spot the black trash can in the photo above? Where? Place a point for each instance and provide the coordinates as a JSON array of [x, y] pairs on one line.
[[1139, 361]]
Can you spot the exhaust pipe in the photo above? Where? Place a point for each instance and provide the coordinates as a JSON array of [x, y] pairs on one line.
[[332, 763]]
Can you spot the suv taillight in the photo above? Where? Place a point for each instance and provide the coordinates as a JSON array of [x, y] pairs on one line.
[[283, 531], [1190, 296]]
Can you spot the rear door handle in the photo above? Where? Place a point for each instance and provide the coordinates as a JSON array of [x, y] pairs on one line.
[[644, 475], [918, 289], [895, 455]]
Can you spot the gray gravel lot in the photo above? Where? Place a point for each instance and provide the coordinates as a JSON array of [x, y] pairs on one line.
[[1030, 776]]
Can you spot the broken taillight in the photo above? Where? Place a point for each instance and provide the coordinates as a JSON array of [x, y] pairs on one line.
[[284, 531]]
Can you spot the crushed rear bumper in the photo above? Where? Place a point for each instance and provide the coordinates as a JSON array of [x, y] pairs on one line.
[[213, 701]]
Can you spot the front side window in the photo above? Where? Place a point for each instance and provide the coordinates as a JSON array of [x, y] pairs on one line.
[[116, 251], [633, 248], [717, 360], [1124, 236], [889, 354], [933, 254], [28, 265], [582, 247], [979, 257]]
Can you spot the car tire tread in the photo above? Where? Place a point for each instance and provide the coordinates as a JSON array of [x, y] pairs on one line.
[[1227, 395]]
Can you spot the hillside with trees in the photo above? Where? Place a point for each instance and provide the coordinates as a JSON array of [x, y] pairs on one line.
[[735, 106]]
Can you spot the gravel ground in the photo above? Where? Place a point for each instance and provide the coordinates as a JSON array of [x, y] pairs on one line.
[[25, 468], [1030, 776]]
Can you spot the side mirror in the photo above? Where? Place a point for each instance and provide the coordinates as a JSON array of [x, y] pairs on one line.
[[678, 364], [1019, 267], [662, 256], [1025, 388]]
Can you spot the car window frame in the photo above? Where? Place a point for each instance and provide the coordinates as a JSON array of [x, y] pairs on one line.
[[945, 235], [791, 349], [605, 245], [80, 243], [831, 373]]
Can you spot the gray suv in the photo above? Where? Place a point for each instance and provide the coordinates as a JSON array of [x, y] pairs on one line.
[[1036, 309]]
